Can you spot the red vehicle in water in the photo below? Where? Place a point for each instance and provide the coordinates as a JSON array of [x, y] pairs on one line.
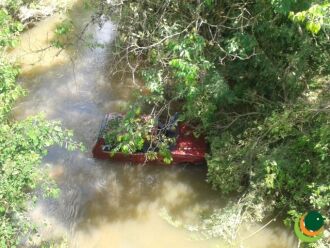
[[186, 150]]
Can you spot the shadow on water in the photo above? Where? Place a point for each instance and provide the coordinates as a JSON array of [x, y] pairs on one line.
[[96, 192]]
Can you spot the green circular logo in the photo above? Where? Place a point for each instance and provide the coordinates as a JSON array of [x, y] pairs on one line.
[[313, 221], [309, 227]]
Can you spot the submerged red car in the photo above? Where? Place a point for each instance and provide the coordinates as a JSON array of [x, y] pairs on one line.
[[186, 150]]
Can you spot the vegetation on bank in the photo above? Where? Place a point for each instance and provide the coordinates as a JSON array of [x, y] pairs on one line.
[[22, 143], [253, 76]]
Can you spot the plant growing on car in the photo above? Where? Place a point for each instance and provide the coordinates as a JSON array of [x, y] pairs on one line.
[[135, 133]]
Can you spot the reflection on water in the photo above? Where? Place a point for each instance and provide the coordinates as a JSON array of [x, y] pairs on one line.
[[103, 204]]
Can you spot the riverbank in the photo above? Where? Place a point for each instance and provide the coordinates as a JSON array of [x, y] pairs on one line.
[[31, 12], [22, 143]]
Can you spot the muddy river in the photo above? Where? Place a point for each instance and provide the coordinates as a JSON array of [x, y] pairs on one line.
[[105, 204]]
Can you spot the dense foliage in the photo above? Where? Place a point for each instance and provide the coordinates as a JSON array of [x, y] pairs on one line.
[[253, 76], [22, 143], [135, 133]]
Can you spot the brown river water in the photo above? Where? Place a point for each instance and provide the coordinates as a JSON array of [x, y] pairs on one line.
[[102, 203]]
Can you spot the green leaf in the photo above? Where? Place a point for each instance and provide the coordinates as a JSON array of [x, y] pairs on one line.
[[313, 27]]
